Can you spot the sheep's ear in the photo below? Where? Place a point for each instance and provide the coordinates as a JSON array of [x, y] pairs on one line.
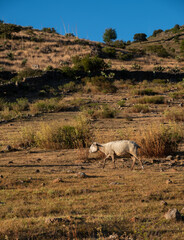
[[99, 145]]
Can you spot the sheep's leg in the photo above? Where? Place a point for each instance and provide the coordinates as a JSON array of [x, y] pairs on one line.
[[113, 159], [134, 159], [105, 159]]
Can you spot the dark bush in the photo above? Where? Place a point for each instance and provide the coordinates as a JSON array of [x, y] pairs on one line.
[[49, 30], [89, 64], [119, 44], [125, 56], [6, 30], [27, 73], [159, 50], [102, 84], [109, 52], [139, 37], [156, 32]]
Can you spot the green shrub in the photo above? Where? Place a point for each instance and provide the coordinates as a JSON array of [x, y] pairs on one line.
[[136, 66], [119, 44], [27, 73], [89, 64], [49, 30], [69, 87], [10, 56], [139, 108], [156, 32], [102, 84], [121, 103], [24, 61], [2, 103], [97, 111], [109, 52], [6, 30], [125, 56], [56, 136], [159, 81], [159, 50], [149, 99], [158, 69], [139, 37], [177, 95], [21, 104], [44, 106], [68, 72], [182, 46], [142, 92]]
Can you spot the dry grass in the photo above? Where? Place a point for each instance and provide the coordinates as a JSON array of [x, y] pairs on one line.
[[88, 206], [159, 140], [174, 114]]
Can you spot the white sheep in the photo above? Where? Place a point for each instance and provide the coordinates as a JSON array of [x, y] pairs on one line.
[[117, 148]]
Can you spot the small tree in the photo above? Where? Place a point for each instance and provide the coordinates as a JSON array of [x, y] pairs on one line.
[[109, 35], [157, 32], [139, 37]]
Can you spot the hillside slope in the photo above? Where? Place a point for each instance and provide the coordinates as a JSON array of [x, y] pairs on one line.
[[36, 49]]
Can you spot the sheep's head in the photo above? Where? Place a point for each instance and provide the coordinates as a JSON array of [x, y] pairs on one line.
[[94, 148]]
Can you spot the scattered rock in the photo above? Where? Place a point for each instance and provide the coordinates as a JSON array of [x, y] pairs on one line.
[[177, 157], [81, 175], [70, 171], [170, 157], [173, 170], [114, 183], [169, 181], [155, 161], [173, 214], [134, 219], [57, 180], [43, 185], [53, 220], [163, 203], [182, 210], [113, 236], [8, 148]]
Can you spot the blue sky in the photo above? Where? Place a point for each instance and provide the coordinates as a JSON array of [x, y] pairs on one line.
[[90, 18]]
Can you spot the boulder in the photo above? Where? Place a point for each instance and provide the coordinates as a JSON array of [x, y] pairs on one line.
[[173, 214]]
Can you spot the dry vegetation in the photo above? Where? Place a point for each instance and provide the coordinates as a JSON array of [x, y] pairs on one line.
[[50, 187]]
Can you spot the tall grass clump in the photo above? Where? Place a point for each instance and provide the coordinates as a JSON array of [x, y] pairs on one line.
[[45, 106], [174, 114], [147, 91], [139, 108], [151, 99], [57, 136], [99, 111], [159, 140]]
